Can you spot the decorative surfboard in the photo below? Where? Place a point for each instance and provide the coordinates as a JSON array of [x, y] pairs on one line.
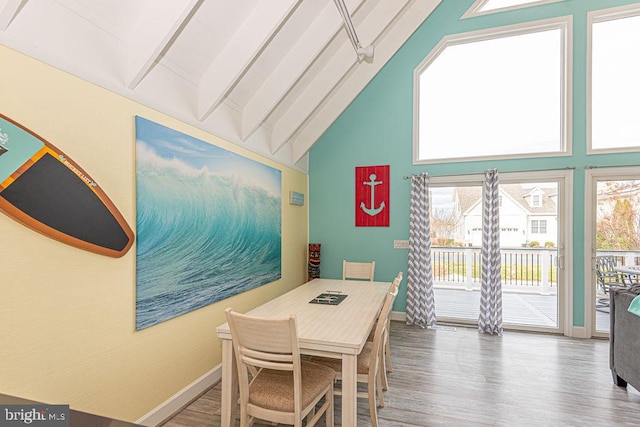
[[42, 188]]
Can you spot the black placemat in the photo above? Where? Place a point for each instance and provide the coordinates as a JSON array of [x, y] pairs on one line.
[[328, 298]]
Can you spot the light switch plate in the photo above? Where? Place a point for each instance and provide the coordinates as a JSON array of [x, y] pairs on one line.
[[401, 244]]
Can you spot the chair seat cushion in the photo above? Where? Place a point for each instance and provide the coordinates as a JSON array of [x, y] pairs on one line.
[[364, 359], [273, 389]]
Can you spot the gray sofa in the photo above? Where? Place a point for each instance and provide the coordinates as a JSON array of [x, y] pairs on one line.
[[624, 344]]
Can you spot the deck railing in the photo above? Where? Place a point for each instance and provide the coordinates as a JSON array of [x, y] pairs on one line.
[[527, 269], [522, 269], [623, 257]]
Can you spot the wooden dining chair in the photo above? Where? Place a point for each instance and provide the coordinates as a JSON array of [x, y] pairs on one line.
[[285, 389], [388, 367], [370, 360], [358, 270]]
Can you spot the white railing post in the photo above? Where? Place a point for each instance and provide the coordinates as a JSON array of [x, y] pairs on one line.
[[468, 258], [629, 258], [546, 256]]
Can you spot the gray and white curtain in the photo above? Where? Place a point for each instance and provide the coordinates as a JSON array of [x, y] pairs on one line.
[[421, 309], [490, 320]]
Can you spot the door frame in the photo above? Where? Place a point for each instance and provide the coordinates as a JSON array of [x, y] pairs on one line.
[[592, 176], [564, 179]]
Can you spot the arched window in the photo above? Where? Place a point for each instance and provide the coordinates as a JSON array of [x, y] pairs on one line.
[[481, 7]]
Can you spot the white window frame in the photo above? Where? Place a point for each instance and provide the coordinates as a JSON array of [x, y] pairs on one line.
[[535, 226], [592, 176], [538, 226], [536, 200], [563, 23], [594, 17], [475, 9]]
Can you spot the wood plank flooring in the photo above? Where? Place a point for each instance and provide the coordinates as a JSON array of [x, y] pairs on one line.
[[459, 377]]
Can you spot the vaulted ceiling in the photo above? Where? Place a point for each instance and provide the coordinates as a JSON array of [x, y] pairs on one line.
[[268, 75]]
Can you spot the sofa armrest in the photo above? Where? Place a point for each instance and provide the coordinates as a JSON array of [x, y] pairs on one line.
[[624, 345]]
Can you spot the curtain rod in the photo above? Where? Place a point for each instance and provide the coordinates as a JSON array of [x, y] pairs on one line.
[[610, 166], [480, 173]]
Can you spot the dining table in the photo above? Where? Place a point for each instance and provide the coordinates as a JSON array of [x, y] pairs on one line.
[[334, 318]]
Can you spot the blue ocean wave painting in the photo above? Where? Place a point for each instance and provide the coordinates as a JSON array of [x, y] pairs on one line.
[[208, 224]]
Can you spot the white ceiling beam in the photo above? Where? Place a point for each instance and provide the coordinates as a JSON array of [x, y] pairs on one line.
[[334, 104], [234, 60], [292, 67], [327, 79], [9, 12], [159, 25], [316, 91]]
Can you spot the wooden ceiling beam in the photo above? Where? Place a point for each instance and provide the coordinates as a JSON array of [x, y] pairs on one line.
[[240, 52], [373, 28], [154, 31], [301, 56], [9, 12]]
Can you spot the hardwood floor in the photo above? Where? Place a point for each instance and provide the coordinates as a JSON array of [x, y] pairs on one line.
[[459, 377]]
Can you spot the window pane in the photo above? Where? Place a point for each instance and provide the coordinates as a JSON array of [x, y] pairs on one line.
[[615, 85], [509, 104], [499, 4], [617, 235], [480, 7], [456, 238]]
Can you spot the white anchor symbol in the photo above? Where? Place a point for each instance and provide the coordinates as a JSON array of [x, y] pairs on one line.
[[372, 210]]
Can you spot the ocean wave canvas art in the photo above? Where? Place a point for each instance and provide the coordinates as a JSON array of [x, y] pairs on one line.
[[208, 223]]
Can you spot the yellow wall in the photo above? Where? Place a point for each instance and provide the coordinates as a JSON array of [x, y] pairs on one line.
[[67, 317]]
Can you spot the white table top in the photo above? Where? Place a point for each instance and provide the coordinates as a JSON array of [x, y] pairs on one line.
[[341, 328], [628, 269]]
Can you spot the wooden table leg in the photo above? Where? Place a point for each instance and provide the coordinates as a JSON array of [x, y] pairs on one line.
[[229, 398], [349, 390]]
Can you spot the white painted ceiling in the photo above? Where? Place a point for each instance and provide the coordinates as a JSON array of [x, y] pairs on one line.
[[268, 75]]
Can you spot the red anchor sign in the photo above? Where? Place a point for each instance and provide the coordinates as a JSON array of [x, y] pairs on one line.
[[372, 196]]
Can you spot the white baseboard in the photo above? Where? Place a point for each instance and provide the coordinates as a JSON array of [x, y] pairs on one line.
[[577, 332], [181, 399], [399, 315]]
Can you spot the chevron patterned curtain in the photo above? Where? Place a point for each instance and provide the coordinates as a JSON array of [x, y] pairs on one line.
[[421, 309], [490, 320]]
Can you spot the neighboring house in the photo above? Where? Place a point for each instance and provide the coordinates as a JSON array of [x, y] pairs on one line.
[[527, 214]]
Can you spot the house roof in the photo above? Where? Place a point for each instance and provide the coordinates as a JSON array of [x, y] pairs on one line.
[[470, 196]]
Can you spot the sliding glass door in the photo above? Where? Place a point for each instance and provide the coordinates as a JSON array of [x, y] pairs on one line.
[[613, 231], [532, 240]]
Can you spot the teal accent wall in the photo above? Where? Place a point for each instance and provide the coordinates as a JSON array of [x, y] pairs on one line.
[[377, 129]]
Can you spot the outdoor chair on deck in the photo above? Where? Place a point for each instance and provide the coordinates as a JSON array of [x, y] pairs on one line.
[[284, 389], [358, 270], [606, 277]]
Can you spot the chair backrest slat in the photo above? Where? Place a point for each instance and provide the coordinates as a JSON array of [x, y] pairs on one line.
[[358, 270]]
